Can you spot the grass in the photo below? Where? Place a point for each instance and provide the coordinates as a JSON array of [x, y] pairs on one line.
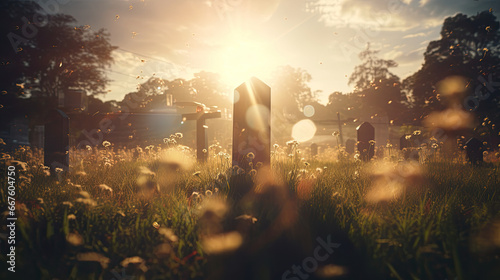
[[439, 221]]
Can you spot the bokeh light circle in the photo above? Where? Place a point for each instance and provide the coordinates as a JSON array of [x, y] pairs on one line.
[[309, 111], [303, 130]]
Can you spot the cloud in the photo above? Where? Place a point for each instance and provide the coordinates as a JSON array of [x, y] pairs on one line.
[[394, 14], [421, 34], [410, 56]]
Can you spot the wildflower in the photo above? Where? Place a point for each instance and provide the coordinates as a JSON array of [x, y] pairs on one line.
[[250, 156], [178, 135], [106, 144], [204, 151], [104, 187], [276, 146], [169, 234], [222, 243], [252, 172], [156, 225], [58, 170], [450, 119], [69, 204], [240, 171], [74, 239], [137, 261], [81, 173], [306, 163], [258, 165], [71, 217], [335, 133], [417, 132], [87, 201], [93, 257], [197, 173], [145, 171], [331, 271], [434, 145], [208, 193], [246, 217], [372, 142]]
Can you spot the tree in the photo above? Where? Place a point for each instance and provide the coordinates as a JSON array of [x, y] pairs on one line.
[[209, 90], [47, 53], [469, 47], [377, 90], [290, 91]]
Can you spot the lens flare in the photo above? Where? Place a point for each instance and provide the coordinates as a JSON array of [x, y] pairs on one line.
[[304, 130], [309, 111]]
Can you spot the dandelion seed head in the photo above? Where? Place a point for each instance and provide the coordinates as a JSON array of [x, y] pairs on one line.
[[74, 239], [222, 243], [93, 257]]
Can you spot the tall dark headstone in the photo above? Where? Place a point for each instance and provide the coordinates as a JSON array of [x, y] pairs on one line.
[[474, 151], [349, 146], [314, 149], [366, 136], [56, 146], [404, 142], [252, 122]]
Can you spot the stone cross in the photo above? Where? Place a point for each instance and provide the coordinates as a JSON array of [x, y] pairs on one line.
[[474, 151], [366, 136], [56, 146], [201, 134], [252, 123]]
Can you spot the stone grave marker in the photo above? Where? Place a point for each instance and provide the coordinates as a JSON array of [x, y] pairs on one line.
[[252, 123], [201, 134], [474, 151], [314, 149], [403, 142], [56, 146], [366, 134], [349, 146]]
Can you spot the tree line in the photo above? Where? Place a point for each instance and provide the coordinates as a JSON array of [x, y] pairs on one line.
[[63, 55]]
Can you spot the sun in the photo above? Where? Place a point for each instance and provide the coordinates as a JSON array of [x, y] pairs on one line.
[[239, 59]]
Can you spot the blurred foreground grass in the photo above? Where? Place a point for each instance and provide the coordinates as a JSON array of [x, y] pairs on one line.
[[155, 214]]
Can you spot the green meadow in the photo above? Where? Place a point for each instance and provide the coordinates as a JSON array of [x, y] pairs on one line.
[[155, 213]]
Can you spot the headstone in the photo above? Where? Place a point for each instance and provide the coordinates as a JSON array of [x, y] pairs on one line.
[[404, 142], [252, 123], [349, 146], [366, 136], [56, 152], [38, 136], [314, 149], [474, 151]]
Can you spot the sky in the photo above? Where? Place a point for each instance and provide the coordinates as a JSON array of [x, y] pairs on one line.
[[243, 38]]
